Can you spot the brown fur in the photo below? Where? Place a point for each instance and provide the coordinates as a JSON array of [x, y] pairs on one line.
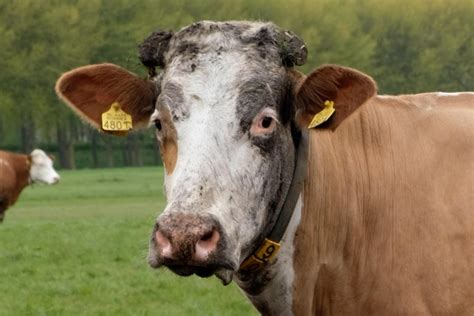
[[347, 87], [14, 177], [90, 91], [168, 146], [387, 226], [169, 152]]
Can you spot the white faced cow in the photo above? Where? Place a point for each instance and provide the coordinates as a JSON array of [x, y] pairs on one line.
[[18, 171], [384, 224]]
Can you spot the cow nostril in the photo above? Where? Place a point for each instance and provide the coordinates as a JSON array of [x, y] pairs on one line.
[[206, 245], [207, 236], [164, 245]]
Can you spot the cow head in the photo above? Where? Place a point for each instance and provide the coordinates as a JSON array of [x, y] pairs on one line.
[[224, 111], [41, 168]]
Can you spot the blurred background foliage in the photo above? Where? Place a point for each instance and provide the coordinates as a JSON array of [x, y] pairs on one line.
[[408, 46]]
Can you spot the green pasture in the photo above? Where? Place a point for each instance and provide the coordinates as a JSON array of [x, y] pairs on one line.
[[79, 248]]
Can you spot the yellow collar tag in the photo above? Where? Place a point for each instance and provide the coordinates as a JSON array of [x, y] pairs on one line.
[[115, 119], [267, 251], [323, 115]]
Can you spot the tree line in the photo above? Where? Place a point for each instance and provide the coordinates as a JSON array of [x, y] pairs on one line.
[[407, 46]]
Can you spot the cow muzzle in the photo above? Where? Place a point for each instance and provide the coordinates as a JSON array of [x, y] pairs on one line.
[[190, 244]]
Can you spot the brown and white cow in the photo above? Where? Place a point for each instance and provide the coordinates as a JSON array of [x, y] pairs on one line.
[[385, 223], [17, 171]]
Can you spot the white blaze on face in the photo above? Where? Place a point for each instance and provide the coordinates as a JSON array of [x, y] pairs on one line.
[[228, 167], [41, 169], [218, 171]]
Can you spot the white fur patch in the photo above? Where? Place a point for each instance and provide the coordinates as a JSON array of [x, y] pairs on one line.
[[209, 155], [41, 169]]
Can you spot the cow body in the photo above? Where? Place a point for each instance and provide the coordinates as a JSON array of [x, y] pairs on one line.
[[383, 225], [387, 226], [17, 171]]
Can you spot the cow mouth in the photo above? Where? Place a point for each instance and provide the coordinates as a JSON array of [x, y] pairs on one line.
[[224, 274], [223, 270]]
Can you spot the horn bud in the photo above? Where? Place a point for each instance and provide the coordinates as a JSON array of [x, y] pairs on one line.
[[152, 51], [294, 51]]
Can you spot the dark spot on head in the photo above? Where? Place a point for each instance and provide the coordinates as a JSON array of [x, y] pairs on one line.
[[190, 30], [187, 51], [187, 48], [264, 40], [172, 95], [260, 92], [193, 67]]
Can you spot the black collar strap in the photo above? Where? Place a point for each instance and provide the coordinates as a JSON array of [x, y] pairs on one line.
[[271, 245]]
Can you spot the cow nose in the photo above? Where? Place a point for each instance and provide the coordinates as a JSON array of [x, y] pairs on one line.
[[206, 244], [56, 180], [188, 238]]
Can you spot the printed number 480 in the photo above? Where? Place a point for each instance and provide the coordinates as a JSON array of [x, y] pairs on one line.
[[113, 125]]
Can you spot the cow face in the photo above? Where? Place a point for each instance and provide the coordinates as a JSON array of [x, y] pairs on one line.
[[223, 122], [41, 169], [223, 109]]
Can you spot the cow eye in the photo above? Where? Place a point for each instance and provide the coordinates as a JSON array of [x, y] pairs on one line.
[[267, 121], [158, 124], [264, 123]]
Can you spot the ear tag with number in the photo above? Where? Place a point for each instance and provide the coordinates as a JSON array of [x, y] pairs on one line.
[[115, 119], [324, 115]]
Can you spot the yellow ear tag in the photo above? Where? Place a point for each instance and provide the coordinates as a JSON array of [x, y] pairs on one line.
[[115, 119], [323, 115]]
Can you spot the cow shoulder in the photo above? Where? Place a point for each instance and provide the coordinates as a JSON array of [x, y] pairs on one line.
[[346, 87], [8, 179]]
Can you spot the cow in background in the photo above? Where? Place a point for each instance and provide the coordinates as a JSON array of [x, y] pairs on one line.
[[384, 224], [17, 171]]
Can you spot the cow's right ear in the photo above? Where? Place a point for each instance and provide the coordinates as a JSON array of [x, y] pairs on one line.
[[338, 88], [91, 90]]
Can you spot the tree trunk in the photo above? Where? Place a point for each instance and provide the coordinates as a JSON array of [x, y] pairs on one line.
[[109, 151], [127, 161], [65, 146], [135, 145], [94, 148], [131, 151], [157, 155], [28, 139]]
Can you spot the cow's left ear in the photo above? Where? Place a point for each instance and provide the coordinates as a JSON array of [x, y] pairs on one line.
[[92, 90], [346, 87]]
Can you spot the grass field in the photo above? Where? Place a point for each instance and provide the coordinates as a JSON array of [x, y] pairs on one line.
[[79, 248]]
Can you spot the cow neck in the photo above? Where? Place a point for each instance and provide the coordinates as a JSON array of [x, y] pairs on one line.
[[270, 246], [22, 168]]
